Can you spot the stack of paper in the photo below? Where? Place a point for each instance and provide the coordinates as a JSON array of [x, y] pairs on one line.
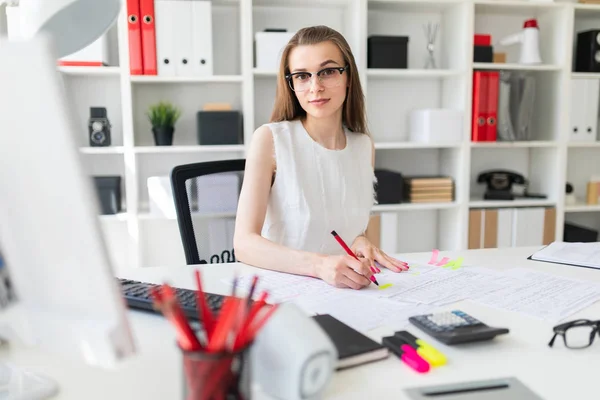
[[578, 254], [423, 287]]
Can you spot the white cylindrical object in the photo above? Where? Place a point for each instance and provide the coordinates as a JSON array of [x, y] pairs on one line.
[[530, 49]]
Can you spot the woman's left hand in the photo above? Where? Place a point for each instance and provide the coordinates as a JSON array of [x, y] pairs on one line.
[[363, 248]]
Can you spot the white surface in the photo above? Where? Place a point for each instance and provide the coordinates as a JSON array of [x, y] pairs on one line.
[[435, 125], [553, 373]]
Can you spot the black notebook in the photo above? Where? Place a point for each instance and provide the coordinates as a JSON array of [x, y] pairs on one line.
[[353, 347]]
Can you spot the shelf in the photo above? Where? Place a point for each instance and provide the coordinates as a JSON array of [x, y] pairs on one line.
[[188, 149], [121, 217], [583, 145], [585, 75], [412, 6], [90, 71], [476, 203], [413, 206], [410, 73], [102, 150], [516, 7], [415, 145], [147, 216], [300, 3], [186, 79], [582, 208], [262, 73], [516, 67], [503, 145], [587, 10]]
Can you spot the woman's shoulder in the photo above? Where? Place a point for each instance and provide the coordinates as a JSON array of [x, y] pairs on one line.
[[279, 127]]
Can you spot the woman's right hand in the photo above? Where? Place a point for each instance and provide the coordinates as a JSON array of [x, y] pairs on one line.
[[344, 271]]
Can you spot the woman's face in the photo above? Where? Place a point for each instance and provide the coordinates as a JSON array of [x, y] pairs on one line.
[[320, 98]]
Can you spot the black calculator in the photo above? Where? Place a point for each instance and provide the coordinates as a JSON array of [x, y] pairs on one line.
[[454, 327]]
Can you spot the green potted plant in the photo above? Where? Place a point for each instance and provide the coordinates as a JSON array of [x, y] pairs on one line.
[[163, 116]]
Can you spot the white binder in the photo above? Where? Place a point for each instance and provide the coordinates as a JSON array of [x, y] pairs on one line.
[[183, 38], [584, 110], [202, 47], [528, 226], [164, 23]]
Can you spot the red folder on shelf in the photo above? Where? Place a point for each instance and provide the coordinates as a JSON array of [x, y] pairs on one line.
[[136, 66], [479, 98], [493, 80], [148, 36]]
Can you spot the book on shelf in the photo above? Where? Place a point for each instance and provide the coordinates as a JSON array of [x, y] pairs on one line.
[[423, 189]]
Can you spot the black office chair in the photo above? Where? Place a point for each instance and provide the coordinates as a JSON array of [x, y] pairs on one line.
[[193, 197]]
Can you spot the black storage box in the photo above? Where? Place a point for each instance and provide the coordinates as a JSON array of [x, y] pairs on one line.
[[576, 233], [387, 52], [483, 54], [389, 186], [219, 127], [586, 49], [108, 189]]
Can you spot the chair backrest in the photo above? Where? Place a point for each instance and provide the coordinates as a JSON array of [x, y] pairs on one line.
[[206, 195]]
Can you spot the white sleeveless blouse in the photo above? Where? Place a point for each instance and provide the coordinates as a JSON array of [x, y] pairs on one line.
[[317, 190]]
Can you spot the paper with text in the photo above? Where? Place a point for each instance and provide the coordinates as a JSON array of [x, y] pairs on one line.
[[545, 296]]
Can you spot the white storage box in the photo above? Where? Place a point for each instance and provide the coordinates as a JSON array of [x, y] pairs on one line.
[[269, 46], [435, 125]]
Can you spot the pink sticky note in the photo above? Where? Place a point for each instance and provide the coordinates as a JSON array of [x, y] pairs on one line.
[[434, 256], [443, 261]]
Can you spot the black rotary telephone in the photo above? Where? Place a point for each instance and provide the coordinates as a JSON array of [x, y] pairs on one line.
[[500, 182]]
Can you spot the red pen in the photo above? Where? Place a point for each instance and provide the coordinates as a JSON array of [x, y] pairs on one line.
[[406, 353], [350, 252]]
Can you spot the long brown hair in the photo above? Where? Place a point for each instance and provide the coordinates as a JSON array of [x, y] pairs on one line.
[[288, 108]]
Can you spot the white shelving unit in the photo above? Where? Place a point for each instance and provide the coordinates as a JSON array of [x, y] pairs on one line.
[[549, 160]]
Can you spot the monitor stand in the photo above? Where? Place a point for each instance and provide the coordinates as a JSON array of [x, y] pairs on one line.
[[19, 383]]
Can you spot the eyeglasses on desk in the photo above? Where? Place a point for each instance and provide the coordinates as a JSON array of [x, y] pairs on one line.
[[577, 334]]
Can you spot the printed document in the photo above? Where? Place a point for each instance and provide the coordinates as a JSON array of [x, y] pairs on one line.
[[581, 254]]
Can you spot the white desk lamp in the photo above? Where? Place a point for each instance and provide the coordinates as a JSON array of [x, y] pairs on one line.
[[71, 24]]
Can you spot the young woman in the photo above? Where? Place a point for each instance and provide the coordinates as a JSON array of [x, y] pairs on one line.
[[310, 171]]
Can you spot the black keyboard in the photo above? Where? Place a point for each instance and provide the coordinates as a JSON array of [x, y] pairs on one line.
[[138, 297]]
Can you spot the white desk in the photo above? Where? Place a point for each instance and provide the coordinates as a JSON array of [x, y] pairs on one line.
[[553, 373]]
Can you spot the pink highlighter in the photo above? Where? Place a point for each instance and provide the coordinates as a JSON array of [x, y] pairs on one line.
[[406, 353]]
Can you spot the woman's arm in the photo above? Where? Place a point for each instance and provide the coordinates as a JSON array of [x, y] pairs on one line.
[[253, 249]]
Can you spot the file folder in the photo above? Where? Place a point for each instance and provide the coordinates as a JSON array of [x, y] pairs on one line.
[[135, 37], [182, 36], [148, 37], [479, 106], [202, 52], [165, 40], [492, 85]]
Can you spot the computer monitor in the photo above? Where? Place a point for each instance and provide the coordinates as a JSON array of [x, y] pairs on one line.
[[50, 236]]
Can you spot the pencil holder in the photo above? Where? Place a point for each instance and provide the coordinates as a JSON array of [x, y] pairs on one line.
[[217, 376]]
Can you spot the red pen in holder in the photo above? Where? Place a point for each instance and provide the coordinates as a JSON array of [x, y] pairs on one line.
[[217, 376], [216, 367]]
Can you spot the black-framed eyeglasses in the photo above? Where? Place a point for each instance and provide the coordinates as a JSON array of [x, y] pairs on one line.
[[329, 77], [577, 334]]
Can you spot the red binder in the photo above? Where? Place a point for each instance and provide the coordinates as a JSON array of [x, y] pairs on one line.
[[148, 37], [135, 38], [478, 119], [491, 129]]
